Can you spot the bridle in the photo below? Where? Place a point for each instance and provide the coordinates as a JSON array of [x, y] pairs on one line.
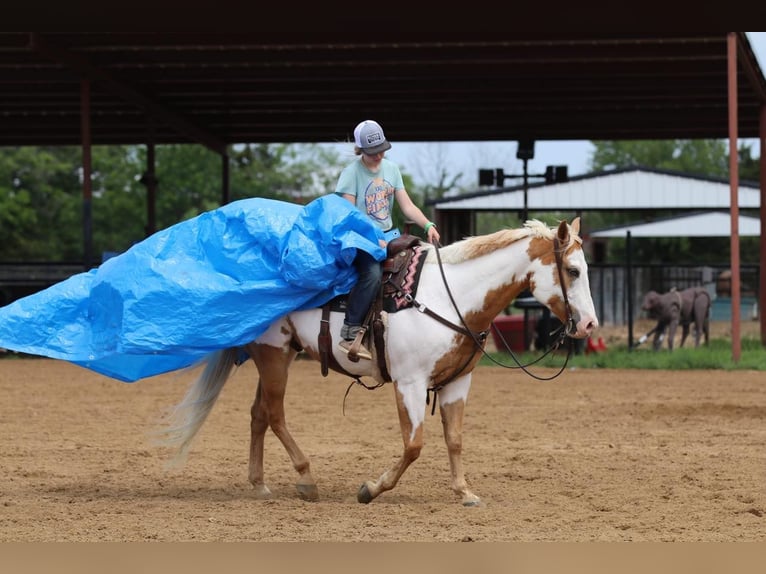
[[558, 252], [480, 337]]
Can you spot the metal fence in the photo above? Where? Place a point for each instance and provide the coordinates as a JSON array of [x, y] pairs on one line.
[[612, 298], [608, 282]]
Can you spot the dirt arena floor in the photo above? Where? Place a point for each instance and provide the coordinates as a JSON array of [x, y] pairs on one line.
[[593, 455]]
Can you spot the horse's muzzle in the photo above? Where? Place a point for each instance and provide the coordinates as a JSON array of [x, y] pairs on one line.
[[582, 328]]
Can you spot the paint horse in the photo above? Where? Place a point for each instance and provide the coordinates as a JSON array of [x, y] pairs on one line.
[[430, 347]]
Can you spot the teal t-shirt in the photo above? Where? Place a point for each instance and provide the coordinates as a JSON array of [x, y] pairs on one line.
[[374, 192]]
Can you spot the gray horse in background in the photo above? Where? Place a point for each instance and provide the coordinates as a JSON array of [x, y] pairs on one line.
[[676, 308]]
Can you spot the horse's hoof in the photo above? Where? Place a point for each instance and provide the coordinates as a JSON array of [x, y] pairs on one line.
[[262, 492], [364, 495], [471, 503], [308, 492]]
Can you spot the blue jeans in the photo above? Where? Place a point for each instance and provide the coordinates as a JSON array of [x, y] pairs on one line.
[[362, 295]]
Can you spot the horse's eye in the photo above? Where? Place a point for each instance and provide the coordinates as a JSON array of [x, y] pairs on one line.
[[574, 272]]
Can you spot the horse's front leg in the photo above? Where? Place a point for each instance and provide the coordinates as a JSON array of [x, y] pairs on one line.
[[659, 331], [452, 400], [672, 333], [410, 405]]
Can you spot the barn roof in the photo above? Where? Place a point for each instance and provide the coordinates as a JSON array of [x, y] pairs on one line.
[[710, 224], [637, 188]]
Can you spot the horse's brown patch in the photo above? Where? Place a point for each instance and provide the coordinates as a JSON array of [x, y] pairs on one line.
[[459, 360], [464, 354], [541, 249]]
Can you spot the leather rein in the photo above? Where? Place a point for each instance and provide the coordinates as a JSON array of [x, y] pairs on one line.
[[480, 337]]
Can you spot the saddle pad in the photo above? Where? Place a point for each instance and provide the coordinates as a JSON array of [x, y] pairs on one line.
[[409, 283]]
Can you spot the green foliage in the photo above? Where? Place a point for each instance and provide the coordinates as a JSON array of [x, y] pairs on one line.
[[704, 157], [119, 199], [286, 172], [41, 195], [716, 356], [38, 208], [749, 167]]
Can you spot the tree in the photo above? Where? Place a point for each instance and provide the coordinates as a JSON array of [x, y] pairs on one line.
[[431, 166], [702, 157], [41, 203], [40, 212], [749, 167]]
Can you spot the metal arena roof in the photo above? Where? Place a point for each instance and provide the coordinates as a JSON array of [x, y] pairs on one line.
[[711, 224], [298, 80]]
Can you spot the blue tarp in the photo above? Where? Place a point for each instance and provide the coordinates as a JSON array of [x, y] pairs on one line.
[[212, 282]]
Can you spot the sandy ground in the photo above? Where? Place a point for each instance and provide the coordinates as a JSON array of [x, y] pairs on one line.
[[593, 455]]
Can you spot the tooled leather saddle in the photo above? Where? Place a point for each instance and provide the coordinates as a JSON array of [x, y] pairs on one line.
[[401, 273]]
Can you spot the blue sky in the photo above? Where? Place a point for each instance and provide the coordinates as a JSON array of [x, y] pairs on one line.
[[419, 159]]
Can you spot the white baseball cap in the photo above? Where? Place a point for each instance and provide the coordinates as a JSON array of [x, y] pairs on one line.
[[369, 137]]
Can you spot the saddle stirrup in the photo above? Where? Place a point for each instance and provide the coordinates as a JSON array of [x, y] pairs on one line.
[[353, 351]]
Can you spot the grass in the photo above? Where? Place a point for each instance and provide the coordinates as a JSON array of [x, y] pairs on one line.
[[717, 355]]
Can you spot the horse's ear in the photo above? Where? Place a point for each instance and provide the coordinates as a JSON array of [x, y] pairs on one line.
[[563, 233], [576, 226]]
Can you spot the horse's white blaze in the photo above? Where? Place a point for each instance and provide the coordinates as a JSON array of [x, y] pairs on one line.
[[580, 296]]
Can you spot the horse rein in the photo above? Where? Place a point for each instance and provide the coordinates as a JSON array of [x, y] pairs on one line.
[[481, 337]]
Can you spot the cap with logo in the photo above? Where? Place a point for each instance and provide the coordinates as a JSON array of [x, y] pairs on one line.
[[369, 137]]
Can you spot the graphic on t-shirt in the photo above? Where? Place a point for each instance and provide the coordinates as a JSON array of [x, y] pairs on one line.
[[376, 199]]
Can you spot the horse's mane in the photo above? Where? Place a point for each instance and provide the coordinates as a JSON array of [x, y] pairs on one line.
[[476, 246]]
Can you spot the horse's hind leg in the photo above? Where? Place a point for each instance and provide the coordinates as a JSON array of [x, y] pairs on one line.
[[259, 422], [706, 329], [268, 411], [701, 311], [684, 333]]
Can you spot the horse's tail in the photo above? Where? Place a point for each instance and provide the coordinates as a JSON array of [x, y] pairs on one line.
[[187, 417]]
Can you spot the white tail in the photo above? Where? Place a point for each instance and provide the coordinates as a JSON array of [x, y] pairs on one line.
[[187, 417]]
